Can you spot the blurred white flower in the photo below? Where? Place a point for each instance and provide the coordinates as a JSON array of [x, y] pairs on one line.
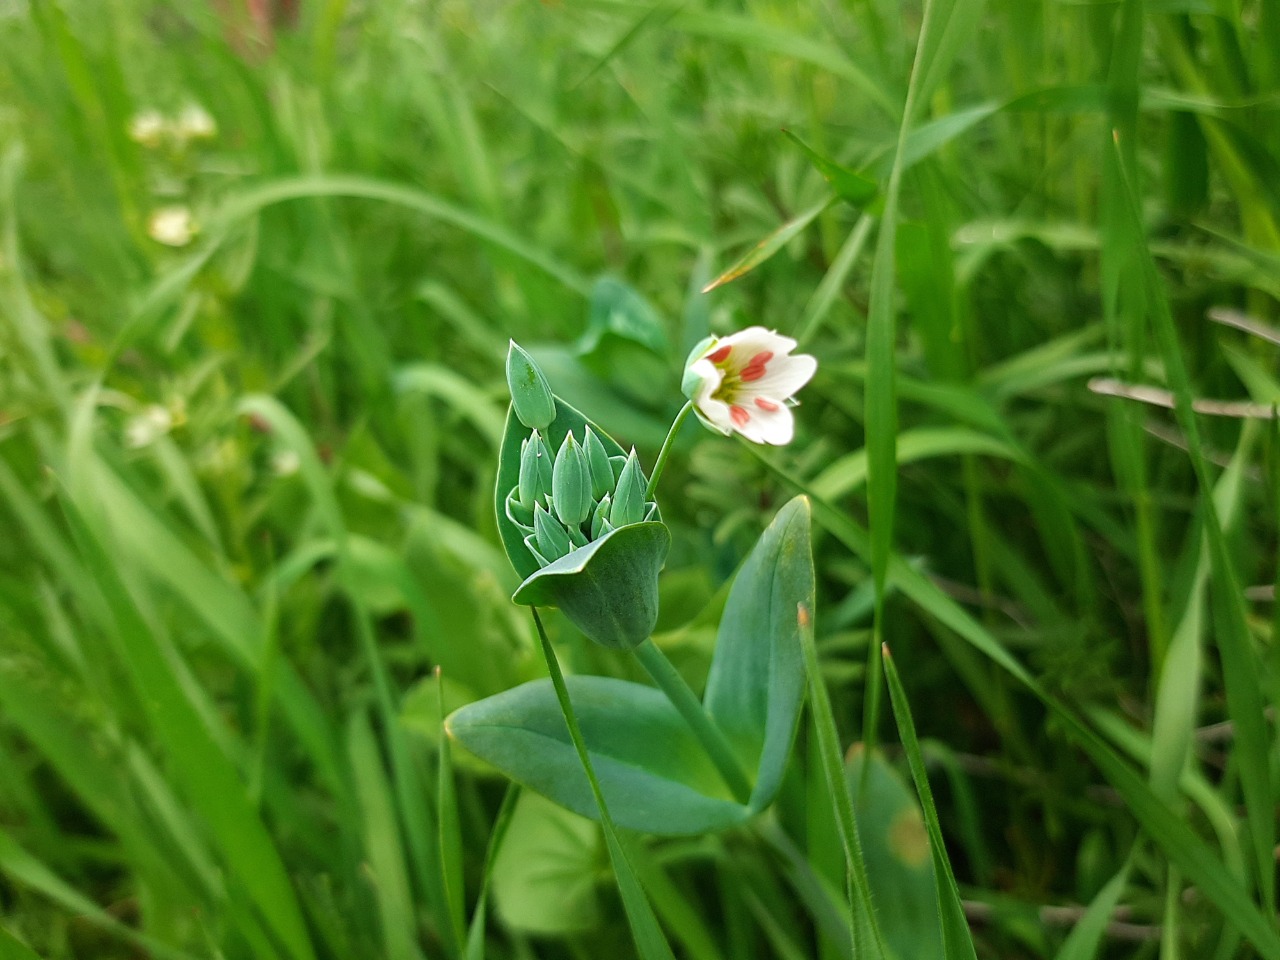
[[148, 426], [148, 128], [195, 123], [285, 463], [744, 382], [171, 226]]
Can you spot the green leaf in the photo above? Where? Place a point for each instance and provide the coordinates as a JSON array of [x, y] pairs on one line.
[[1180, 843], [651, 942], [11, 948], [655, 776], [545, 875], [625, 343], [850, 186], [609, 588], [618, 310], [756, 684], [895, 844]]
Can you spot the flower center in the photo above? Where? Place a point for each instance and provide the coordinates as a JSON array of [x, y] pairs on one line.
[[736, 375]]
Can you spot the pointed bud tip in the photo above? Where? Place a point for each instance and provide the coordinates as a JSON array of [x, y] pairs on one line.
[[530, 393]]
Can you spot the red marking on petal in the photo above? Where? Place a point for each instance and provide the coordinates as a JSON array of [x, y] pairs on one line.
[[739, 415], [755, 368], [722, 354], [767, 405]]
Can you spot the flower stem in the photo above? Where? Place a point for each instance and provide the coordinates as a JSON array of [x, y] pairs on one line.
[[666, 449], [668, 678]]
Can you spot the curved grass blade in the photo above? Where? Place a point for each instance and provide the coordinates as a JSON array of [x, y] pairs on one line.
[[770, 245], [851, 186]]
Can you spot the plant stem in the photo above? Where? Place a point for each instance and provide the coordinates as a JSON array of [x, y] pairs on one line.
[[666, 449], [668, 678], [650, 940]]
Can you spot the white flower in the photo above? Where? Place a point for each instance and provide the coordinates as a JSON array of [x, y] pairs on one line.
[[148, 128], [147, 427], [171, 226], [745, 382], [195, 123], [285, 463]]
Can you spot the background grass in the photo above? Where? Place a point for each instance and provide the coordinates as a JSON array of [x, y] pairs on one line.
[[245, 481]]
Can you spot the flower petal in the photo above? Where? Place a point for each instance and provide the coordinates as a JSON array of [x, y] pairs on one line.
[[715, 414], [701, 379], [782, 377], [767, 421], [749, 343]]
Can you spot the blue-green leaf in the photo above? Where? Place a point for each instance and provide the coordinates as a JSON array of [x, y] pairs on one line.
[[655, 776], [756, 683], [609, 588]]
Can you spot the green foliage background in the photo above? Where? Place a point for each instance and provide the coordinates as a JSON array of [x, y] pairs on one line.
[[246, 481]]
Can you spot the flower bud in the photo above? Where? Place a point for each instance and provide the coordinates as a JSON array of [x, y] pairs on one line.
[[531, 542], [535, 470], [519, 514], [600, 524], [530, 394], [571, 483], [602, 478], [553, 542], [628, 498]]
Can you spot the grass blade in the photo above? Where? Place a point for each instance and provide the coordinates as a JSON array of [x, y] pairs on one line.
[[957, 941], [1166, 826], [865, 933]]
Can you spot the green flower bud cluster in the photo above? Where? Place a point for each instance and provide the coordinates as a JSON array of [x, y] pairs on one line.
[[564, 502]]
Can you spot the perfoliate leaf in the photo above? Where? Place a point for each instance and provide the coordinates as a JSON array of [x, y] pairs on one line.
[[609, 588]]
